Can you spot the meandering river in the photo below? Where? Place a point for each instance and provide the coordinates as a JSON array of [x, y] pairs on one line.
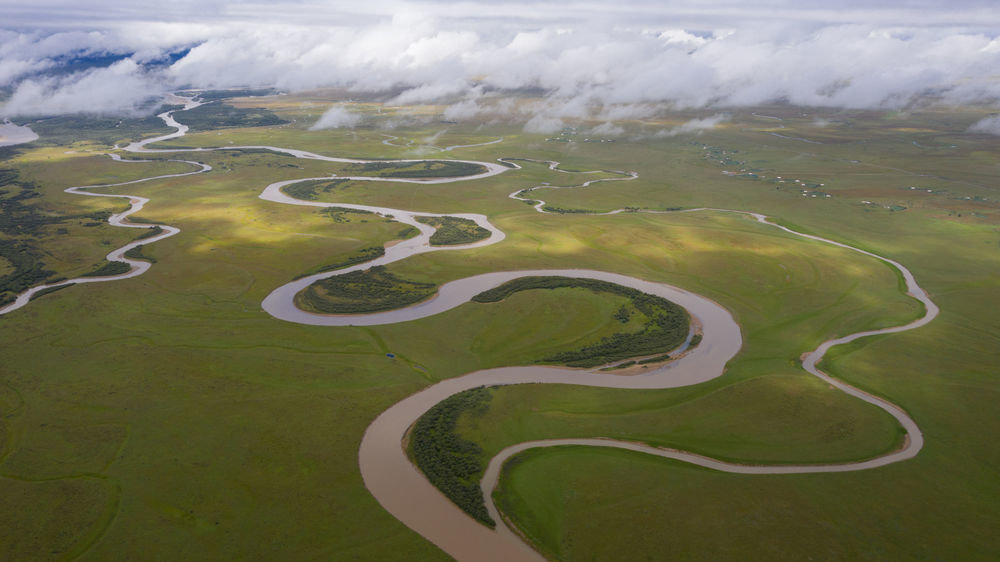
[[398, 485]]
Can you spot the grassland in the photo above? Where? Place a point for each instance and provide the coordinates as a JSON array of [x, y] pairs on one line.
[[167, 416]]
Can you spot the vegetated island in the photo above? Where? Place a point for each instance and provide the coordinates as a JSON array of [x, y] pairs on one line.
[[455, 465], [419, 169], [454, 230], [370, 290], [309, 190], [667, 328]]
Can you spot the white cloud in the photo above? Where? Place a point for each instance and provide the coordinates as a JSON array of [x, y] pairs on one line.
[[462, 110], [990, 125], [11, 134], [695, 126], [607, 129], [543, 125], [336, 117], [430, 92], [118, 89], [636, 59]]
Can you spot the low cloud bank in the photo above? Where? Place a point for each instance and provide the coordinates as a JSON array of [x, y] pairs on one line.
[[695, 125], [989, 126], [336, 117], [123, 88], [427, 59]]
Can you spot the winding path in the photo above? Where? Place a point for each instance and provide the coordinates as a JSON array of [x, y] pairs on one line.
[[399, 486]]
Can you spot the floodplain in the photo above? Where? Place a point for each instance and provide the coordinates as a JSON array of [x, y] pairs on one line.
[[170, 410]]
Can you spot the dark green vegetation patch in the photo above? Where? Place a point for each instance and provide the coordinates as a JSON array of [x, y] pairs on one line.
[[371, 290], [110, 268], [48, 291], [451, 463], [307, 190], [407, 233], [67, 129], [361, 256], [562, 211], [151, 232], [668, 328], [340, 214], [420, 169], [454, 230], [221, 116], [136, 254], [21, 226]]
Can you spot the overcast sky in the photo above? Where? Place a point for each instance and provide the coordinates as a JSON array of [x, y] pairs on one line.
[[627, 53]]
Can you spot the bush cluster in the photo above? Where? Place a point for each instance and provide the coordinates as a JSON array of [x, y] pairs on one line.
[[451, 463], [454, 230]]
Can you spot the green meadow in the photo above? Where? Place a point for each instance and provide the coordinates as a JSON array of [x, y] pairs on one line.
[[168, 417]]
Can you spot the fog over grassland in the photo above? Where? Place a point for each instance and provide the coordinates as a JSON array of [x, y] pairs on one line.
[[622, 59]]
